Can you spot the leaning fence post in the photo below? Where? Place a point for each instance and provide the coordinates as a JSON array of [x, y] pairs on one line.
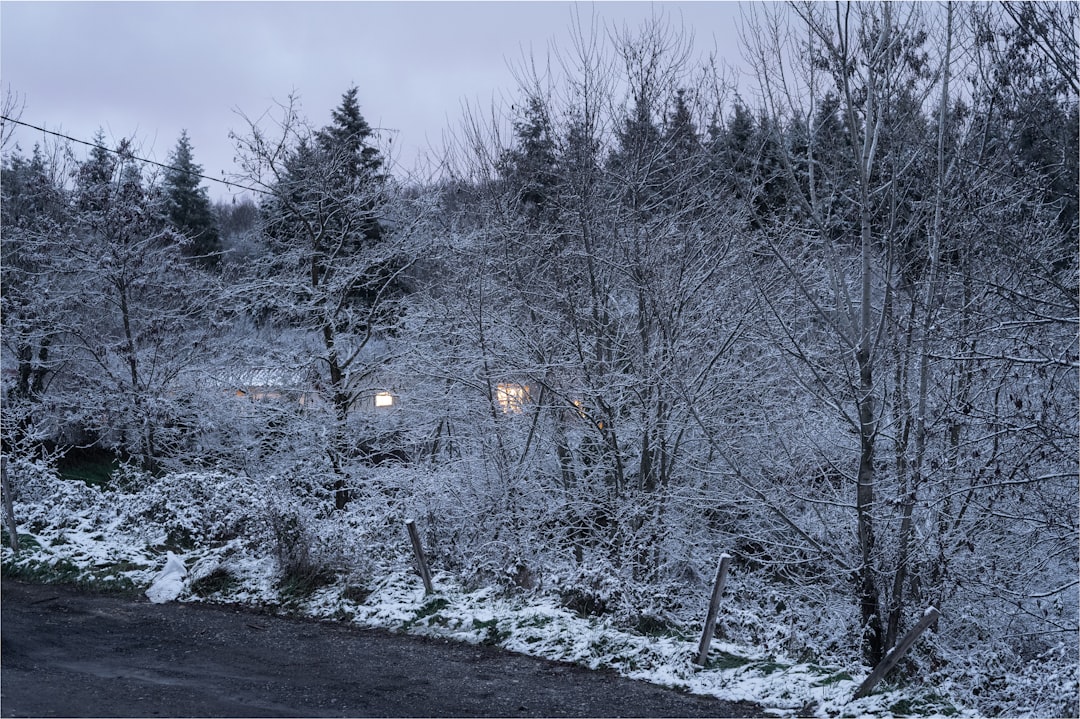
[[714, 609], [418, 550], [9, 511], [896, 653]]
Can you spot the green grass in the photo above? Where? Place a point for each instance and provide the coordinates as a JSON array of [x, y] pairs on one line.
[[651, 626], [833, 679], [92, 465], [104, 578], [493, 635], [925, 705], [724, 660], [298, 585], [768, 667], [26, 541], [429, 608], [219, 581]]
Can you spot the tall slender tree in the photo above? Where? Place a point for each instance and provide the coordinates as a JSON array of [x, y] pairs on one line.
[[34, 213], [332, 269], [187, 204]]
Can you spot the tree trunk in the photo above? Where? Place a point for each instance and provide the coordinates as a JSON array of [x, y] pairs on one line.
[[869, 604]]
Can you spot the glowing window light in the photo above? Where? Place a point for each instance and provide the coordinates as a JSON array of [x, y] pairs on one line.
[[511, 397], [384, 399], [584, 414]]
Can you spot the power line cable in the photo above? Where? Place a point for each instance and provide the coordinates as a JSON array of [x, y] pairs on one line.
[[134, 157]]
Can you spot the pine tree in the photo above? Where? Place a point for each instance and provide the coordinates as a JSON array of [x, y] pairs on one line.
[[347, 138], [32, 211], [331, 268], [93, 187], [188, 205], [680, 134], [530, 165]]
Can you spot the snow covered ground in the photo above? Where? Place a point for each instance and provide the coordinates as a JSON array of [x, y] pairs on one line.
[[77, 533]]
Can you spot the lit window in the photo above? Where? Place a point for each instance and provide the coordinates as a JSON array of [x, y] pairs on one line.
[[384, 399], [581, 411], [511, 397]]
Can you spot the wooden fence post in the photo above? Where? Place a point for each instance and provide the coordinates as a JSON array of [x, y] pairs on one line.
[[9, 511], [893, 657], [418, 550], [714, 609]]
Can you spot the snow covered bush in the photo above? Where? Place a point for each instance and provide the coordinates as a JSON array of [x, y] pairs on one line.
[[996, 681], [188, 509], [32, 480]]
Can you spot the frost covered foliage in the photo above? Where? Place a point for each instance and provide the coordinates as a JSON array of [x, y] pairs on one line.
[[999, 682], [257, 541], [189, 509], [832, 336]]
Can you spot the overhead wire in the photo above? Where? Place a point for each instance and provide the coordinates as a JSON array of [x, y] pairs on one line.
[[134, 157]]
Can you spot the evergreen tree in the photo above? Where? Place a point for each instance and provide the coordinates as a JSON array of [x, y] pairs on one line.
[[331, 268], [1034, 88], [354, 164], [679, 133], [334, 167], [33, 212], [93, 178], [347, 137], [188, 205], [638, 157], [530, 166]]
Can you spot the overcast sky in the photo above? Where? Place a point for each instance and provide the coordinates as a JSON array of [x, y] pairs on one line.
[[149, 70]]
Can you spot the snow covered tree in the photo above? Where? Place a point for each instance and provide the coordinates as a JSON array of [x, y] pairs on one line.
[[614, 315], [187, 204], [845, 269], [241, 236], [33, 213], [888, 276], [139, 312], [530, 165], [338, 252]]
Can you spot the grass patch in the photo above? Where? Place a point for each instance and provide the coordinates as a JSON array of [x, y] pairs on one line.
[[121, 567], [768, 667], [92, 465], [614, 653], [299, 585], [724, 660], [38, 572], [653, 626], [26, 541], [357, 594], [432, 606], [583, 603], [219, 581], [178, 540], [493, 635], [342, 615], [428, 609], [105, 578], [926, 705], [833, 679]]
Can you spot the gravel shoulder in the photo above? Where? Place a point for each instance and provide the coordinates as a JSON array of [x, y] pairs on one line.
[[64, 652]]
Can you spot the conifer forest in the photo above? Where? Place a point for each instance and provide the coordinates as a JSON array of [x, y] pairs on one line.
[[634, 320]]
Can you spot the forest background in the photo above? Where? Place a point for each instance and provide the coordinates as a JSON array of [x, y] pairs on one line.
[[832, 333]]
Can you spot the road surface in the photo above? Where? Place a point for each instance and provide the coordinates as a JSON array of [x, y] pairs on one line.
[[68, 653]]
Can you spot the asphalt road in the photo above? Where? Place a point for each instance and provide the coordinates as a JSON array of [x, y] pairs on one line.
[[68, 653]]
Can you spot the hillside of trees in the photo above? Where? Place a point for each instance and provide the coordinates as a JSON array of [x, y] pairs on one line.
[[637, 321]]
